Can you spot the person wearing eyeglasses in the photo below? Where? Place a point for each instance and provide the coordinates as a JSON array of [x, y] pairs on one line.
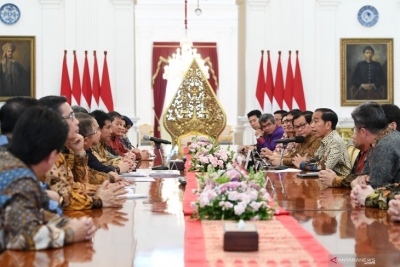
[[287, 126], [99, 157], [302, 127], [37, 141], [271, 132], [278, 115], [88, 128], [332, 153], [63, 175]]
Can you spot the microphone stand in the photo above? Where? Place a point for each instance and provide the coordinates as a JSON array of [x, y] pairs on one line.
[[263, 163], [280, 166], [162, 167]]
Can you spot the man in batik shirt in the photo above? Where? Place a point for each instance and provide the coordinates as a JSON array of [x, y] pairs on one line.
[[65, 174], [332, 153], [37, 140]]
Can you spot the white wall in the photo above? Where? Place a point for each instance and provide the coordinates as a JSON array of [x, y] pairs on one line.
[[127, 29]]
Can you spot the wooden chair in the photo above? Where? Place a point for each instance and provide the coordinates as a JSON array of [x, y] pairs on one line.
[[226, 137], [145, 129], [353, 153], [185, 140]]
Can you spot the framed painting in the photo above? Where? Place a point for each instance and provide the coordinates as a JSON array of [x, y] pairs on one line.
[[366, 71], [17, 66]]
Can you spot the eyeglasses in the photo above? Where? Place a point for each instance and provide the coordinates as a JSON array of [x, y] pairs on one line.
[[300, 127], [287, 121], [70, 116], [95, 132], [267, 125]]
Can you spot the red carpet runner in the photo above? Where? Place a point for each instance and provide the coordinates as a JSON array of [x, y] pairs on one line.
[[282, 241]]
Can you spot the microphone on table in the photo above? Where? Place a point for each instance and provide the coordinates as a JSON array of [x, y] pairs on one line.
[[297, 139], [156, 140], [285, 142]]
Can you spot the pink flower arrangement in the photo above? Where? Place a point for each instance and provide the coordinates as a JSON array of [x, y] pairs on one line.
[[233, 196], [206, 153]]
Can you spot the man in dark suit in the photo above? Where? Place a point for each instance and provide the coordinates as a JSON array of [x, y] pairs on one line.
[[368, 78]]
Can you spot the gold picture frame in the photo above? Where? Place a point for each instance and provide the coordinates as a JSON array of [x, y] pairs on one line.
[[366, 70], [17, 66]]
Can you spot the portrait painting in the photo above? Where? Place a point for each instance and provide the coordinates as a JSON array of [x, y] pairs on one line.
[[366, 68], [17, 66]]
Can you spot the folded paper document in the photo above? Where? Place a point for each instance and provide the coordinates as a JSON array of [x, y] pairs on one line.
[[133, 174], [164, 174]]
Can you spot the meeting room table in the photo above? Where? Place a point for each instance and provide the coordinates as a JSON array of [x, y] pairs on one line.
[[150, 231]]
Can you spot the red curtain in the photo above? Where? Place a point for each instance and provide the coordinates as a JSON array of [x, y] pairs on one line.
[[161, 52]]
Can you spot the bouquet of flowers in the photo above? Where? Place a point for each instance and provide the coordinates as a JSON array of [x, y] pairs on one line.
[[205, 153], [232, 195]]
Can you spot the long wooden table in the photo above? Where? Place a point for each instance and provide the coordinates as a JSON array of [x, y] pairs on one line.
[[149, 232]]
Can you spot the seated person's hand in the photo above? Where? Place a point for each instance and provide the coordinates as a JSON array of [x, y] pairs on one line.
[[145, 154], [259, 133], [265, 152], [108, 194], [299, 159], [249, 148], [326, 177], [125, 165], [115, 176], [275, 159], [394, 209], [361, 180], [83, 228], [360, 192], [130, 155], [77, 144]]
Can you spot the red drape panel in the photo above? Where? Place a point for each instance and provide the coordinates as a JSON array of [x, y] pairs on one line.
[[161, 52]]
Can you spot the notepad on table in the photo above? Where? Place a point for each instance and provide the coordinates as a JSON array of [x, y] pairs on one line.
[[164, 174]]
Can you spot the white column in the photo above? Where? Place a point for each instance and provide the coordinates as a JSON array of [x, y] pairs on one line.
[[252, 39], [133, 134], [328, 86], [47, 49], [124, 58]]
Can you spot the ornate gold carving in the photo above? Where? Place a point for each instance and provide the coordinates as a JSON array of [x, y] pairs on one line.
[[345, 133], [194, 107]]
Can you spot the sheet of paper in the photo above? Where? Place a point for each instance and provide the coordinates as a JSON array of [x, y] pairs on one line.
[[165, 174], [286, 170], [133, 196], [133, 174], [140, 179]]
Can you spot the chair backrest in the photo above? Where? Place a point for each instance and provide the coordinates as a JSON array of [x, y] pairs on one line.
[[226, 135], [185, 139], [145, 129], [353, 153]]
